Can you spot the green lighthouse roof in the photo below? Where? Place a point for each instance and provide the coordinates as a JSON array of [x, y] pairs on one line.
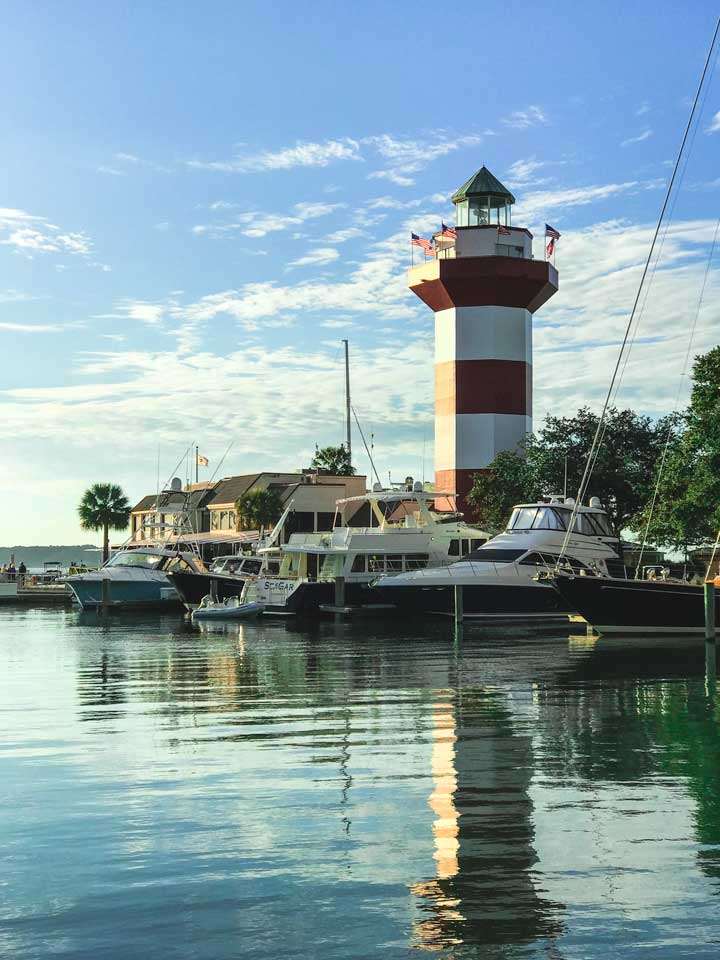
[[483, 184]]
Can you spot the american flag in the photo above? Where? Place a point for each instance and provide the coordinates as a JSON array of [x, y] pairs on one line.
[[552, 232], [504, 231], [421, 242], [446, 231], [550, 249]]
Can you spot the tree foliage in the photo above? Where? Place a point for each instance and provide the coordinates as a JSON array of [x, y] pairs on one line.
[[687, 507], [622, 476], [333, 460], [258, 508], [104, 507]]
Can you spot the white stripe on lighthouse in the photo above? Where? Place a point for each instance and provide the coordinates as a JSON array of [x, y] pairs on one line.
[[483, 333], [470, 441]]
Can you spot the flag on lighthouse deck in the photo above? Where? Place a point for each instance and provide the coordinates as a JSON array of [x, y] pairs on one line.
[[421, 242], [554, 236], [503, 231], [446, 231], [202, 461]]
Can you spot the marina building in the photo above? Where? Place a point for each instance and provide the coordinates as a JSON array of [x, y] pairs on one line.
[[205, 512], [483, 285]]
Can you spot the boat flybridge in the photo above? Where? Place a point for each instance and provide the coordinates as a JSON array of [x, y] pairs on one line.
[[405, 534], [500, 579]]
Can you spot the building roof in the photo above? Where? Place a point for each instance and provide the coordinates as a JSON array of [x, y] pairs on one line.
[[172, 501], [482, 183]]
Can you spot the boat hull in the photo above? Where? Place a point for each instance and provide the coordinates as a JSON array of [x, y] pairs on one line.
[[129, 594], [636, 606], [492, 601], [484, 601], [192, 587]]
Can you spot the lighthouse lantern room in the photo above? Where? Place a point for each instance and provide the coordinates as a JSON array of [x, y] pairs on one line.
[[483, 286]]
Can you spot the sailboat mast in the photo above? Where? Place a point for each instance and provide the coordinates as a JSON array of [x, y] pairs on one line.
[[347, 400]]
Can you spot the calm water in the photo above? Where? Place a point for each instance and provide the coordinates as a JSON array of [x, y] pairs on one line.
[[352, 791]]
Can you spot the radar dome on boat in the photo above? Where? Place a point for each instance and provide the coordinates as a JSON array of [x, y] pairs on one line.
[[377, 487], [595, 502], [570, 501], [176, 484], [418, 486]]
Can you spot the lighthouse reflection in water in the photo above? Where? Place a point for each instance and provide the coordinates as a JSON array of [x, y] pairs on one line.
[[484, 890], [341, 791]]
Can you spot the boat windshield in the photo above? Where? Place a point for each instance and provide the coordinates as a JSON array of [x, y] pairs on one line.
[[135, 558], [494, 555], [556, 518], [537, 518]]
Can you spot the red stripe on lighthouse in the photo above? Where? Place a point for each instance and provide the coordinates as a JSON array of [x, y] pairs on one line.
[[483, 386]]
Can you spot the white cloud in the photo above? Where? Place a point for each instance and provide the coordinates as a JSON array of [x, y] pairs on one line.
[[31, 234], [714, 125], [540, 203], [342, 236], [111, 171], [30, 327], [532, 116], [407, 157], [319, 256], [303, 154], [258, 224], [337, 323], [643, 109], [645, 135]]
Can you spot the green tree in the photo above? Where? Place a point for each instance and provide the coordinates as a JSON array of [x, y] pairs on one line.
[[104, 507], [509, 480], [333, 460], [622, 476], [258, 508], [687, 507]]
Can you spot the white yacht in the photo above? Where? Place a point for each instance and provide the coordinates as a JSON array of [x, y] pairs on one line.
[[405, 534], [135, 578], [500, 578]]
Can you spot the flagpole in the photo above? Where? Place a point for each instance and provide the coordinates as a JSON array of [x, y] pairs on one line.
[[197, 464]]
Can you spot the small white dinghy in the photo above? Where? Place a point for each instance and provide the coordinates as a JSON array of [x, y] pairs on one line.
[[230, 609]]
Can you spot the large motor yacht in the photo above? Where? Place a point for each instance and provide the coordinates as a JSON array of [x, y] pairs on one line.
[[500, 578], [405, 533]]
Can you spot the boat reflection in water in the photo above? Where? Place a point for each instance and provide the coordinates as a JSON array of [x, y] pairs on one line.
[[484, 890]]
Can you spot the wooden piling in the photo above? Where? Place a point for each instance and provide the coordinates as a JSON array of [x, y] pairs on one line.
[[339, 592], [709, 610], [458, 591], [105, 594]]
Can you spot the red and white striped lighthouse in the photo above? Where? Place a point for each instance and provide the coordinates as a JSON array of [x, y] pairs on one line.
[[483, 286]]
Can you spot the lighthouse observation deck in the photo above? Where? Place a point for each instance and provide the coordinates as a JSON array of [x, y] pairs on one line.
[[482, 266]]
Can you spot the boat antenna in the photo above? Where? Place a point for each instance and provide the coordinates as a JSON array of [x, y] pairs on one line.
[[372, 462], [347, 401], [592, 455]]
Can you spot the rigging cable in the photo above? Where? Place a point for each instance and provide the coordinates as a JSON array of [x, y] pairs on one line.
[[367, 451], [683, 374], [592, 456]]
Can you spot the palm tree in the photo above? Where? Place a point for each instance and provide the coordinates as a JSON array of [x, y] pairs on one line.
[[333, 460], [257, 509], [104, 507]]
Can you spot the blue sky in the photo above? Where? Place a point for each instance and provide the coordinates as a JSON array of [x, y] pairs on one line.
[[198, 202]]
